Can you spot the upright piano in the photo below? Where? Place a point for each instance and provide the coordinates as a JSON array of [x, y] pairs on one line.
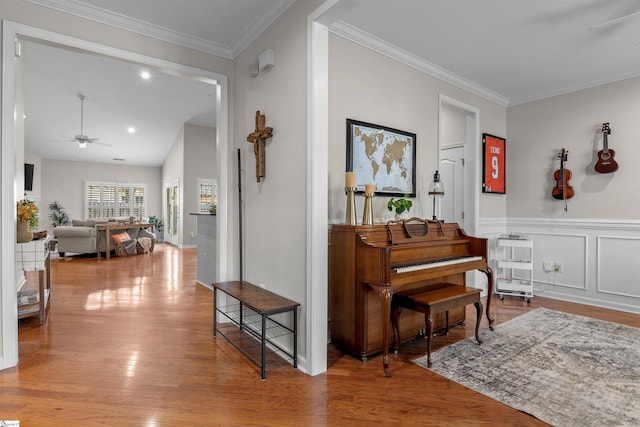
[[369, 263]]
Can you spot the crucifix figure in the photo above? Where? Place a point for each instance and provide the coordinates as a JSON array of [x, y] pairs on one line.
[[257, 138]]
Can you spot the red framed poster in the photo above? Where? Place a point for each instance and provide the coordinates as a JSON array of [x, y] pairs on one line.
[[493, 160]]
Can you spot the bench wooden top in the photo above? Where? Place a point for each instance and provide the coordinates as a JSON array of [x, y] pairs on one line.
[[443, 295], [260, 300]]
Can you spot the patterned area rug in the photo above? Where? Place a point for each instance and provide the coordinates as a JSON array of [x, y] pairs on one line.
[[563, 369]]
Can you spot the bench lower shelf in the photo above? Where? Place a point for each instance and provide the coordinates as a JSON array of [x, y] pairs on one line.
[[252, 326]]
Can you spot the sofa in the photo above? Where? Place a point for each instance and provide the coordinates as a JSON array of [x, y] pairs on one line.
[[80, 237]]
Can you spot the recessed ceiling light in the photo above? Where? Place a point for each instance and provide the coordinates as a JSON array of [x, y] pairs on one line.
[[145, 75], [131, 129]]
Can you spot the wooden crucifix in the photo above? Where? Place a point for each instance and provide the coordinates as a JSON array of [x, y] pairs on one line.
[[257, 138]]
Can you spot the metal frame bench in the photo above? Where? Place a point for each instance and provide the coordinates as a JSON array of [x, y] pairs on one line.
[[252, 315]]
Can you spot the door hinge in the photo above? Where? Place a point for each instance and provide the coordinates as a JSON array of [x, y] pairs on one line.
[[462, 214], [462, 161], [18, 47]]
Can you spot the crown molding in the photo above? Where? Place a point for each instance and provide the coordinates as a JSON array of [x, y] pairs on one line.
[[587, 84], [258, 25], [376, 44]]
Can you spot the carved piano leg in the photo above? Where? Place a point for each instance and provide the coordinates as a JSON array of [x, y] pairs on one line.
[[489, 274], [385, 293], [478, 317]]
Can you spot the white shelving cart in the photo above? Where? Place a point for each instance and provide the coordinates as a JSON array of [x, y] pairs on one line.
[[515, 267]]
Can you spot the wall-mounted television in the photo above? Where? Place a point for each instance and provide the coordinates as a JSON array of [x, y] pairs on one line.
[[28, 177]]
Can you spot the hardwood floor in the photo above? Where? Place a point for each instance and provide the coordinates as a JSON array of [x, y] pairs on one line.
[[128, 342]]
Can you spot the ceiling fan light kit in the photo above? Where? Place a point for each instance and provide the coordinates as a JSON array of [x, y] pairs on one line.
[[81, 138]]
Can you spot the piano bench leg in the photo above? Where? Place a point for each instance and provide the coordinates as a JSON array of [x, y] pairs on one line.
[[478, 305], [446, 327], [429, 319]]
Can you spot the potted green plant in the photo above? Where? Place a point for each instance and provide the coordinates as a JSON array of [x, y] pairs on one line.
[[158, 226], [57, 214], [401, 206]]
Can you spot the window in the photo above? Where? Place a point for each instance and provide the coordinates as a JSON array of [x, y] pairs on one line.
[[207, 194], [110, 199]]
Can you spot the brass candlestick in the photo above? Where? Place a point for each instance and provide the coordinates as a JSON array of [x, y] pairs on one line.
[[367, 218], [351, 206]]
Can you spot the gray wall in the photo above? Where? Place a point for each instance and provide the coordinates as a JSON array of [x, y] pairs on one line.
[[200, 162], [64, 181], [539, 130], [388, 93]]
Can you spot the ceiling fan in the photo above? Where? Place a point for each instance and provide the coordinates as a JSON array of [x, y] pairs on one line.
[[83, 139]]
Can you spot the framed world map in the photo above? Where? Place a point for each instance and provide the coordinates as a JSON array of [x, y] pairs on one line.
[[382, 156]]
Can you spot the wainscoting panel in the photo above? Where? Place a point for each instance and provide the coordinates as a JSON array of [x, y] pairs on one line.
[[566, 250], [598, 258], [618, 268]]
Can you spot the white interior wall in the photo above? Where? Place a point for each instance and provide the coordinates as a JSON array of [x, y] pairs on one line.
[[64, 181], [367, 86], [274, 208], [200, 161], [597, 238], [172, 171], [539, 130]]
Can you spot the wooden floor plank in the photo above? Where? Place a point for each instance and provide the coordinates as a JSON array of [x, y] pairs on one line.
[[128, 342]]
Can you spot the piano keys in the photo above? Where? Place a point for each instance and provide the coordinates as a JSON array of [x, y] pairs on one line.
[[368, 264], [436, 264]]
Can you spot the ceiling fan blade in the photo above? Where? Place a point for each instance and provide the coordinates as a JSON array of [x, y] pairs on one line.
[[101, 143], [614, 21]]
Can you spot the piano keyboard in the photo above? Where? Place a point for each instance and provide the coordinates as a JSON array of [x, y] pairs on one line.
[[443, 263]]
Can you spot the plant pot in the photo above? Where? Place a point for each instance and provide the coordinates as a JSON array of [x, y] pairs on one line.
[[403, 215], [23, 235]]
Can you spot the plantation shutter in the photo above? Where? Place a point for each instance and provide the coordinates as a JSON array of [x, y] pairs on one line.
[[108, 200]]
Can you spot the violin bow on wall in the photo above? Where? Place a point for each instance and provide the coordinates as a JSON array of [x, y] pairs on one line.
[[562, 190]]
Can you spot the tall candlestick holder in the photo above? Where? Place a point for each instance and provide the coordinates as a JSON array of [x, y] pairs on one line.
[[367, 218], [350, 218]]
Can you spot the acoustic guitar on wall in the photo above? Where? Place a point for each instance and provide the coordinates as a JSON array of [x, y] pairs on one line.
[[606, 163]]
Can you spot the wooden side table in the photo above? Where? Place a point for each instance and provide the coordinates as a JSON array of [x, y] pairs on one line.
[[108, 227]]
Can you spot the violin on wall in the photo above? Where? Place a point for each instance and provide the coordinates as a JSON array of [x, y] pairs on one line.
[[606, 163], [562, 190]]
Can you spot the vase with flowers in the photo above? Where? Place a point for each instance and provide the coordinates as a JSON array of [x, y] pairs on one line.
[[27, 216]]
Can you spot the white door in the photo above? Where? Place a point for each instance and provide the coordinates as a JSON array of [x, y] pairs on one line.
[[172, 213], [452, 176]]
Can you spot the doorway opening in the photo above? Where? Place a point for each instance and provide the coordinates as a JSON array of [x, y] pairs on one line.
[[459, 162], [13, 145]]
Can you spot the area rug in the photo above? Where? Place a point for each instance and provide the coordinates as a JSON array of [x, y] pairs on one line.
[[563, 369]]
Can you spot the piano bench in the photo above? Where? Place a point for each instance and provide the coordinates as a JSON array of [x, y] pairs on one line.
[[432, 302]]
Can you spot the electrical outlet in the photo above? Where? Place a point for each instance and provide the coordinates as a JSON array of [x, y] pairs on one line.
[[547, 266], [261, 285], [557, 267]]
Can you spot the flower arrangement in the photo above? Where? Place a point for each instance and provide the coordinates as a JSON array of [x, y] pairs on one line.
[[28, 211]]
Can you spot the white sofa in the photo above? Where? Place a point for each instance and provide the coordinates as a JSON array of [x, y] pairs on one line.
[[81, 236]]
